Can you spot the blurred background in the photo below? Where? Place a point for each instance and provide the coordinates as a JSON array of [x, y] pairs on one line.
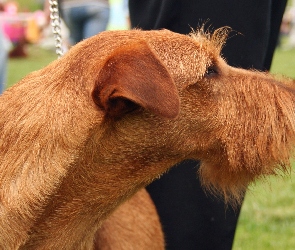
[[267, 219]]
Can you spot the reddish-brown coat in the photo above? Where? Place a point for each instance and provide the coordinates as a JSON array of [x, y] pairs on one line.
[[86, 133]]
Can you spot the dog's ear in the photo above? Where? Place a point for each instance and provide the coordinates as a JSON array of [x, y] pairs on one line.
[[132, 77]]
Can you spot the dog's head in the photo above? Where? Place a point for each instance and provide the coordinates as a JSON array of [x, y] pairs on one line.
[[181, 100]]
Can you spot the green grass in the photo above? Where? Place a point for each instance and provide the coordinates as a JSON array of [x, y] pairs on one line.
[[30, 5], [284, 62], [37, 59], [267, 220]]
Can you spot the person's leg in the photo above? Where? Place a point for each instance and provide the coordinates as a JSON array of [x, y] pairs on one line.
[[3, 59], [190, 218], [73, 18], [277, 12], [3, 62], [97, 20]]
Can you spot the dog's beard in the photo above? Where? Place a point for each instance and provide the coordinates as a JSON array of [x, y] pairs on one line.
[[257, 136]]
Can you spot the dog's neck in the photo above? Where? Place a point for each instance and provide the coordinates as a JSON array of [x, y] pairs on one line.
[[93, 189], [79, 212]]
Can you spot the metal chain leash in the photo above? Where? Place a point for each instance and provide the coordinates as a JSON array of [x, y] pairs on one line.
[[56, 26]]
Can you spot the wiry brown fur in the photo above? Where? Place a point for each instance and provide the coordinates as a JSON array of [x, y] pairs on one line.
[[135, 216], [84, 134]]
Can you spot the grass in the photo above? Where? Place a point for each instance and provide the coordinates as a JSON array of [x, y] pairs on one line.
[[30, 5], [284, 62], [19, 67], [267, 219]]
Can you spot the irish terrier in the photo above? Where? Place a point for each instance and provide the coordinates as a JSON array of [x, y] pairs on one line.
[[86, 133]]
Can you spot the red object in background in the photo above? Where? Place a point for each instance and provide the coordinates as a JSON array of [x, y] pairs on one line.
[[15, 30]]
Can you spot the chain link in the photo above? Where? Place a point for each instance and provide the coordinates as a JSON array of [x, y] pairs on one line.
[[56, 26]]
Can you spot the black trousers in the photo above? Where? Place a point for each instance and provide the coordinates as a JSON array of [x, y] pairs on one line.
[[192, 220]]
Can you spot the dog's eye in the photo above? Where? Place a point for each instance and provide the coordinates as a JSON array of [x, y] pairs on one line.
[[211, 71]]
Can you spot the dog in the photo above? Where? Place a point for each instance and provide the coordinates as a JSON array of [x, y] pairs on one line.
[[81, 137]]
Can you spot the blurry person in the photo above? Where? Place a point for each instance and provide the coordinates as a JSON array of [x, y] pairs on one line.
[[85, 18], [4, 50], [3, 61]]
